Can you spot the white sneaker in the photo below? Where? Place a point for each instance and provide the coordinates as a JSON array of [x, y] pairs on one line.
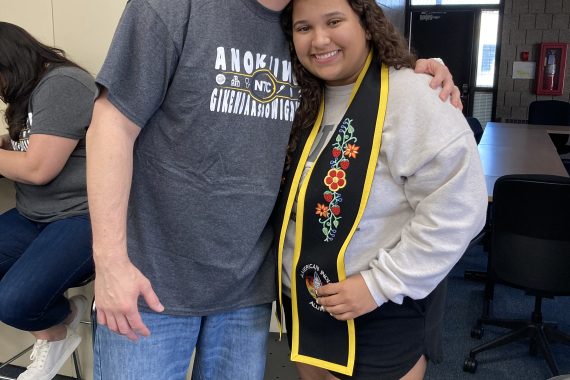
[[48, 357], [80, 303]]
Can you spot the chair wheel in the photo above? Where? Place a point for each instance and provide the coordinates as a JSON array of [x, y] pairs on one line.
[[470, 365], [477, 332]]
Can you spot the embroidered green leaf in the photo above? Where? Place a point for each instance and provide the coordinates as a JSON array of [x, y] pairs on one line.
[[350, 129], [338, 138], [325, 231], [335, 224]]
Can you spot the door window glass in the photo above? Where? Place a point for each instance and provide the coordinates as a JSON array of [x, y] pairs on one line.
[[483, 106], [487, 48]]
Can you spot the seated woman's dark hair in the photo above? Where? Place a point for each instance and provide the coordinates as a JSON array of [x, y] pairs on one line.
[[23, 62]]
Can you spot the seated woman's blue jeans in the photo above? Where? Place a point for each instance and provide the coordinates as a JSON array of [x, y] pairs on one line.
[[38, 263]]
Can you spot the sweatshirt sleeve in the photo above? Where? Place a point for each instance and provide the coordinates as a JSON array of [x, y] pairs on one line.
[[450, 202], [444, 185]]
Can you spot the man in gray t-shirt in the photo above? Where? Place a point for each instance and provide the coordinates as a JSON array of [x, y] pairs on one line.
[[185, 155]]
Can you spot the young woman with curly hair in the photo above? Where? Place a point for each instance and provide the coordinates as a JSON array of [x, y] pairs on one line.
[[383, 192]]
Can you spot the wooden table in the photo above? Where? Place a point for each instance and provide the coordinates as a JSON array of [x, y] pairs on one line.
[[507, 148]]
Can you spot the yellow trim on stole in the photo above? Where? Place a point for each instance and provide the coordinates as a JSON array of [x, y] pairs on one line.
[[289, 208]]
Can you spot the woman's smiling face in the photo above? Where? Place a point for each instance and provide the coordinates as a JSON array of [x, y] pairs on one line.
[[329, 40]]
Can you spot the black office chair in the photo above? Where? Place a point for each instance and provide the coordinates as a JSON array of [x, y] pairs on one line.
[[482, 236], [552, 112], [475, 127], [530, 250]]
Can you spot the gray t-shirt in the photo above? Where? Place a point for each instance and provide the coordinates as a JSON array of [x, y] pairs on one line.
[[209, 83], [60, 105]]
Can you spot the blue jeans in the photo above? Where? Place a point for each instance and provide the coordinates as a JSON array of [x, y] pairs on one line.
[[38, 263], [230, 345]]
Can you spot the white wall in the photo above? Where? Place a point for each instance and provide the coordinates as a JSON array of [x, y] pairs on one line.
[[82, 28]]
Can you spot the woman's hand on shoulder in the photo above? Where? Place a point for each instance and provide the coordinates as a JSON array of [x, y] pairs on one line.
[[441, 77], [346, 299]]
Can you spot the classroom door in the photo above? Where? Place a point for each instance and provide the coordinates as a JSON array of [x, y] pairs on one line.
[[448, 35]]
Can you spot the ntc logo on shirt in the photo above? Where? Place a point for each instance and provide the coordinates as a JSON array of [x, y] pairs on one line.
[[24, 138], [257, 86]]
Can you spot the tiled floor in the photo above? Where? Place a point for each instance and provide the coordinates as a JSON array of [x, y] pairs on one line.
[[279, 367], [12, 372]]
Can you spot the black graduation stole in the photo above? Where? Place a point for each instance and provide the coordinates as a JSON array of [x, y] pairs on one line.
[[330, 205]]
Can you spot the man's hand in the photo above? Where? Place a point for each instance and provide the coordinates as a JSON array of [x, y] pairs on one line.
[[117, 289], [347, 299], [441, 77]]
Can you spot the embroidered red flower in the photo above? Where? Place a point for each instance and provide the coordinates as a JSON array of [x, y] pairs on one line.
[[351, 150], [322, 210], [343, 150], [336, 152], [335, 179]]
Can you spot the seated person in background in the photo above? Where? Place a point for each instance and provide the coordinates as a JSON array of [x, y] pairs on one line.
[[45, 242], [383, 194]]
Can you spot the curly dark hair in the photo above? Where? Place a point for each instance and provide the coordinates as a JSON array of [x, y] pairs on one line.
[[23, 62], [389, 47]]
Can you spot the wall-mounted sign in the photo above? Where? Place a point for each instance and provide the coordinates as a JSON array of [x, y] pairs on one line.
[[524, 70]]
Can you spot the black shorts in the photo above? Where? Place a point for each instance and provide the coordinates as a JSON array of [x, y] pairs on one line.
[[391, 339]]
